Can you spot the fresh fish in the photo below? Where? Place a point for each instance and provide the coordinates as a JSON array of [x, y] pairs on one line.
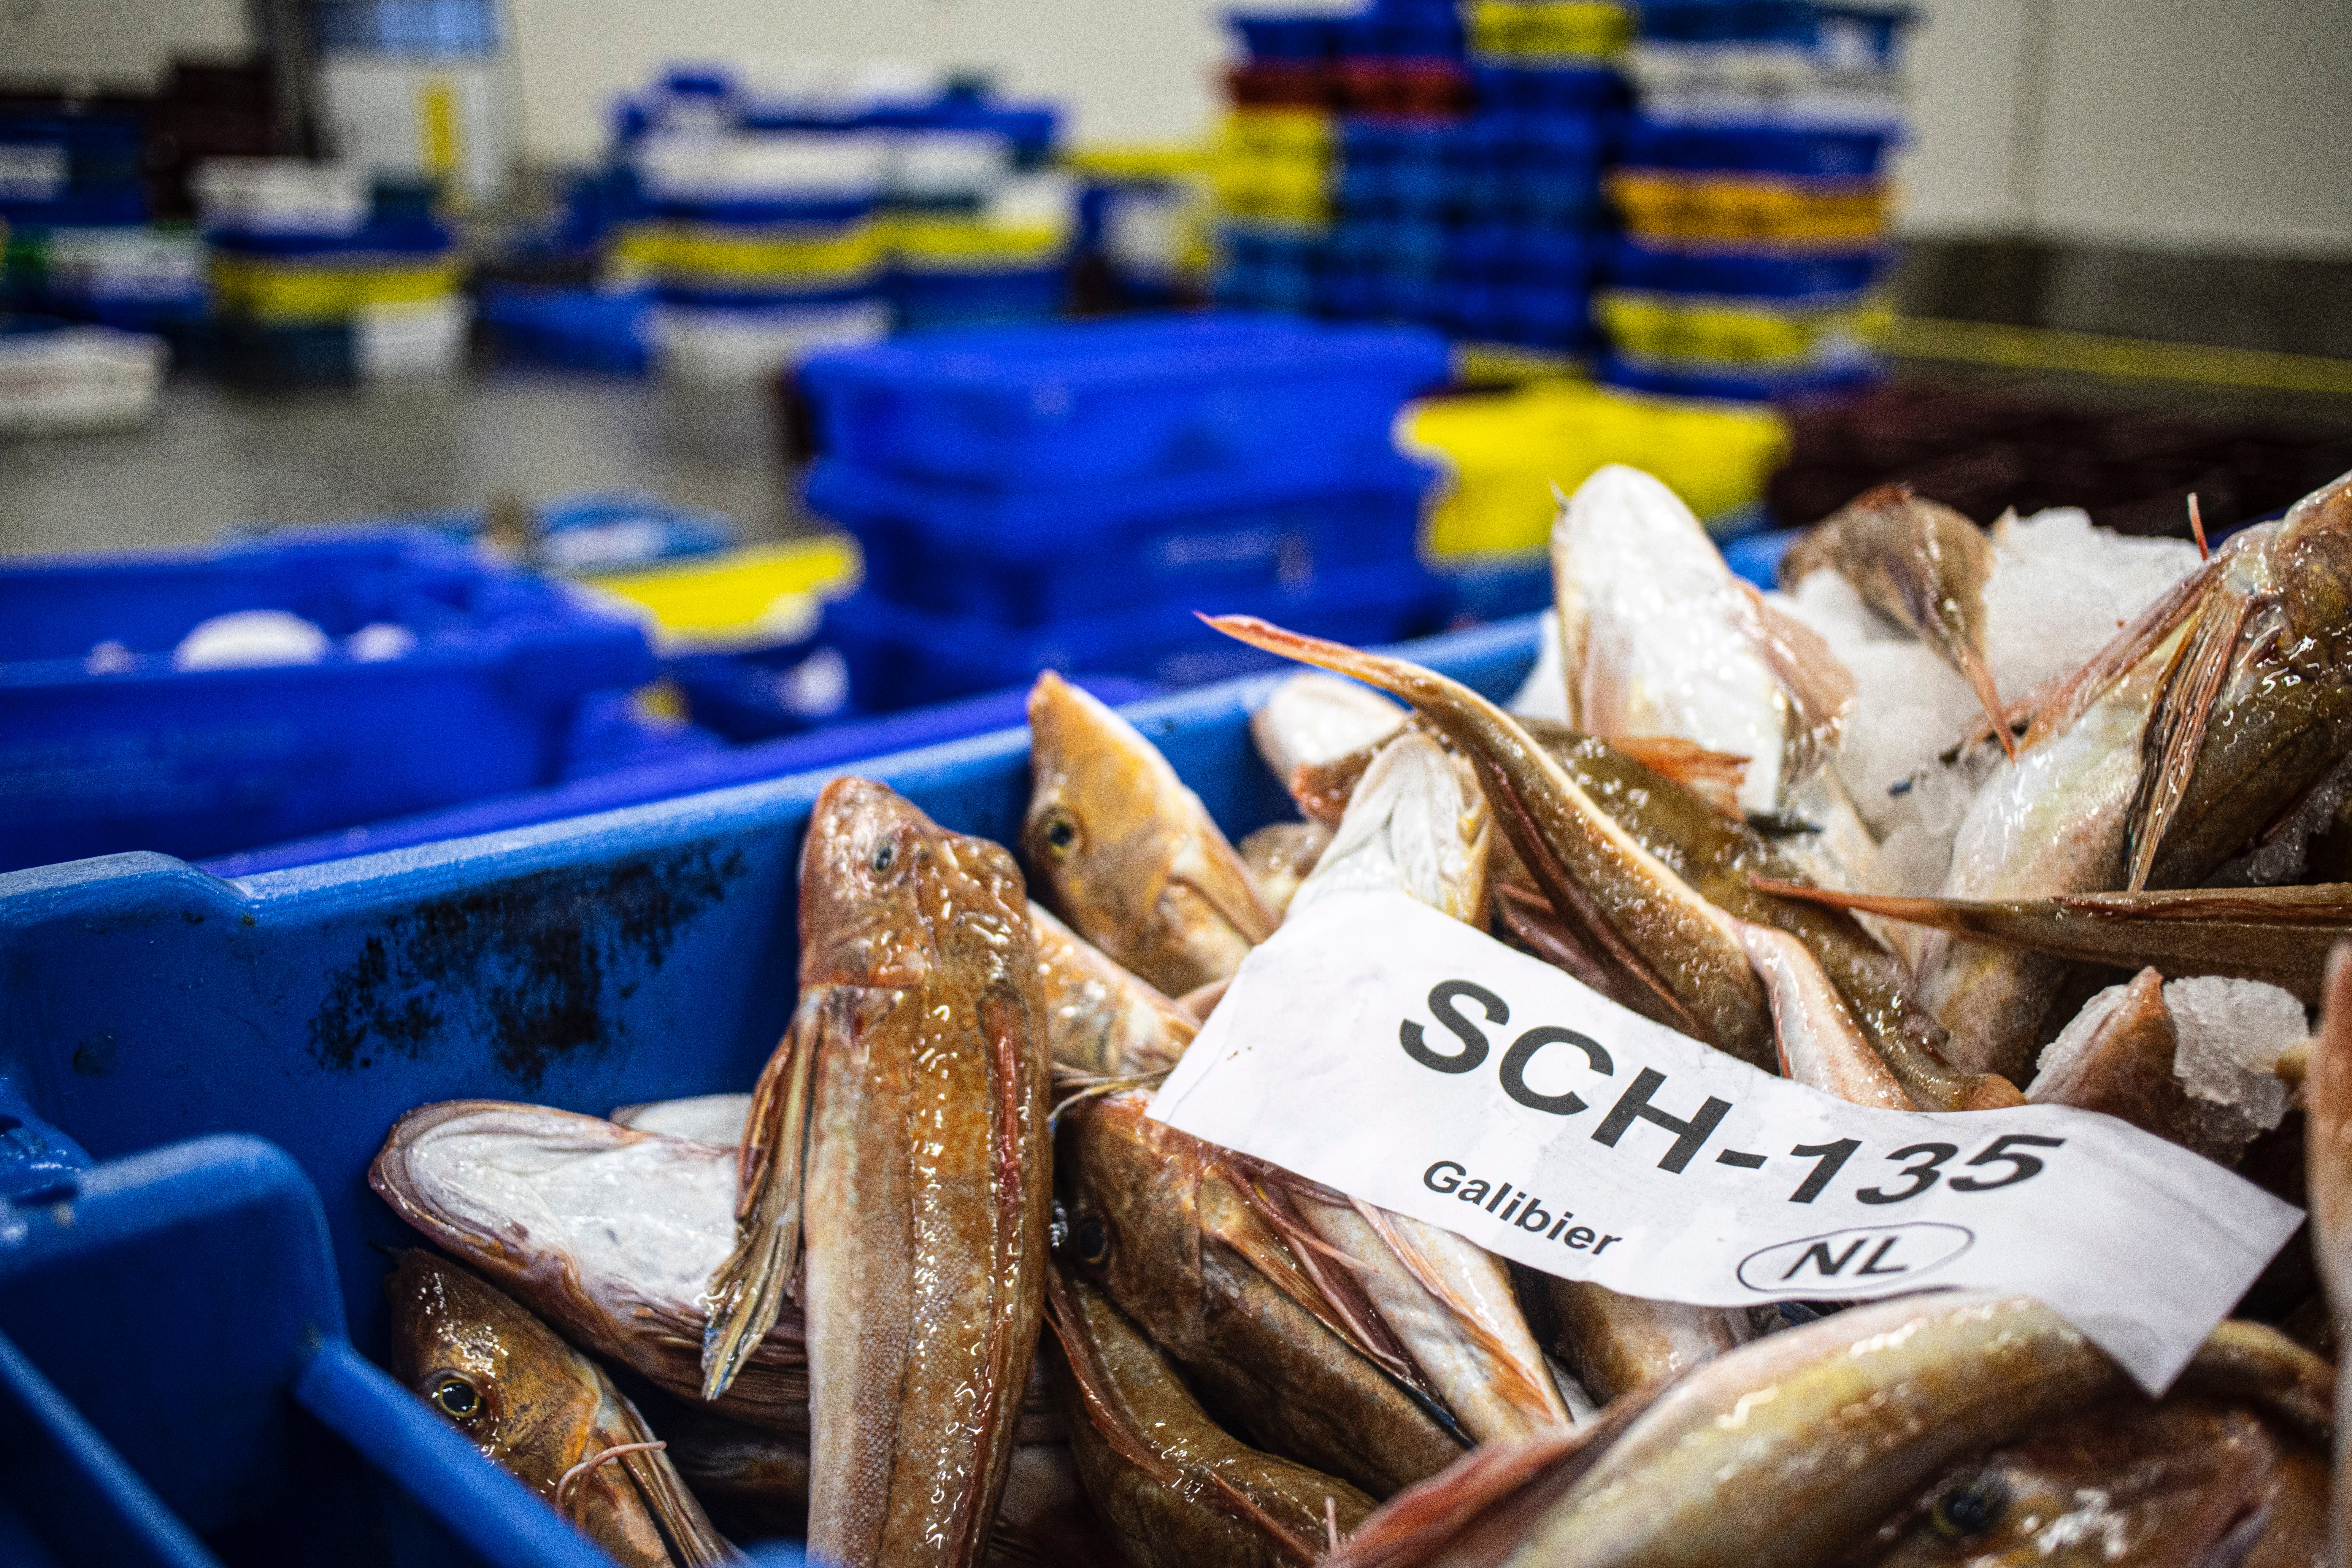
[[2116, 1057], [1280, 856], [1043, 1520], [1612, 892], [1273, 1337], [1920, 565], [1797, 1446], [1414, 825], [2186, 1483], [1615, 1343], [1658, 637], [755, 1483], [609, 1233], [900, 1131], [1820, 1045], [2328, 1089], [704, 1117], [543, 1412], [1130, 855], [1176, 1489], [1312, 719], [2203, 721], [1101, 1018], [2279, 935]]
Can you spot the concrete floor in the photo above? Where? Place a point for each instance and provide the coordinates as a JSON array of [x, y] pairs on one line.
[[214, 457]]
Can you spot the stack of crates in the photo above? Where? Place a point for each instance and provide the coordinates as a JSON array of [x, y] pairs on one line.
[[1460, 162], [811, 210], [1756, 197], [1067, 497], [320, 275], [74, 211]]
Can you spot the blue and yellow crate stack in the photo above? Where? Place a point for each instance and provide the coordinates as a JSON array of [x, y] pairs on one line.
[[1756, 198]]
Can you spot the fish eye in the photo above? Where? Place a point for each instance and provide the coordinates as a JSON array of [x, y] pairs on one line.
[[456, 1398], [885, 854], [1059, 834], [1093, 1242], [1969, 1507]]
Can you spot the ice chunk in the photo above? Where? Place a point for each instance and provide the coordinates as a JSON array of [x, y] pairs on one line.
[[1544, 694], [249, 639], [2232, 1032], [2061, 588]]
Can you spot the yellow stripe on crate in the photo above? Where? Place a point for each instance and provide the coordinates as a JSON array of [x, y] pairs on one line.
[[2139, 358], [1118, 161], [1665, 327], [830, 254], [283, 291], [955, 243], [1550, 30], [1277, 132], [1722, 209], [737, 595]]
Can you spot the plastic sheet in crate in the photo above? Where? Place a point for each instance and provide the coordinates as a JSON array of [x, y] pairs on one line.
[[1028, 557], [1017, 408], [1670, 208], [901, 657], [405, 673]]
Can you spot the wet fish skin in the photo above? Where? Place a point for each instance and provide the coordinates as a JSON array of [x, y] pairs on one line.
[[2327, 1086], [900, 1132], [1165, 1231], [1129, 856], [1177, 1489], [754, 1481], [609, 1233], [1101, 1018], [2124, 1068], [1919, 563], [1280, 856], [1310, 719], [1603, 882], [539, 1409], [1821, 1046], [1415, 824], [2182, 1481], [1616, 1344]]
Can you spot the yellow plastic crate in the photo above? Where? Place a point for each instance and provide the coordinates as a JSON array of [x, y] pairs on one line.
[[830, 254], [1139, 161], [1277, 134], [950, 242], [1728, 210], [1665, 326], [1503, 455], [1549, 30], [274, 291], [742, 597]]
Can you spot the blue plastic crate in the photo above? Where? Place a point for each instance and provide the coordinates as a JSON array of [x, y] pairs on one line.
[[924, 301], [1025, 559], [1745, 274], [199, 762], [1756, 149], [901, 657], [1738, 383], [1309, 37], [638, 955], [1069, 403], [583, 328]]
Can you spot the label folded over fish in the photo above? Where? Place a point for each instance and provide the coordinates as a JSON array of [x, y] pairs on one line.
[[1387, 1050]]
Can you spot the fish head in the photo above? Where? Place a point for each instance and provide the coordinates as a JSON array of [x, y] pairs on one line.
[[2312, 562], [490, 1368], [1132, 856], [875, 876], [1130, 1191], [2177, 1485]]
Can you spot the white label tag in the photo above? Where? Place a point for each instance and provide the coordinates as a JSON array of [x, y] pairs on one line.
[[1383, 1048]]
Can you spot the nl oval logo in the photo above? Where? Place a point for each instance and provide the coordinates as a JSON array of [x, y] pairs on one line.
[[1869, 1258]]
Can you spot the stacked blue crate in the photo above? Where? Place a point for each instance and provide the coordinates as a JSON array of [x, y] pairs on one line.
[[1067, 497], [73, 209], [1756, 197]]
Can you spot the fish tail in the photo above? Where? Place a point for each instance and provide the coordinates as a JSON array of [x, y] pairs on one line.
[[747, 1292]]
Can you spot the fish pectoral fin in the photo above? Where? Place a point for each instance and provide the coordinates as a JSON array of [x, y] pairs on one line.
[[1813, 681], [2175, 736], [684, 1528], [2072, 697], [1979, 675], [747, 1292], [1517, 1386], [1713, 777]]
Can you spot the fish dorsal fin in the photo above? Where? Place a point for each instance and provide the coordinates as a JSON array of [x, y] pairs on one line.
[[1513, 1382], [1813, 681], [2072, 698], [2175, 736]]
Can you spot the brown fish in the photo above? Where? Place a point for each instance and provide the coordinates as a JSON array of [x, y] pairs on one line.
[[1100, 1018], [1280, 856], [1178, 1491], [755, 1483], [1271, 1336], [1919, 563], [543, 1412], [1616, 1344], [900, 1129], [1130, 855], [2328, 1084]]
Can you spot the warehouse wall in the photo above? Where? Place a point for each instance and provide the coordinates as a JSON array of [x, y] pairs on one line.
[[114, 39]]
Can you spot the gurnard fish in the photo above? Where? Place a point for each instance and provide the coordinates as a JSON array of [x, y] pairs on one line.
[[1616, 1344], [1417, 825], [1831, 1442], [1279, 856], [1312, 719], [1100, 1018], [2327, 1087], [1129, 857], [1177, 1489], [2206, 719], [1274, 1338], [610, 1233], [898, 1136], [1923, 566], [1659, 638], [544, 1413], [703, 1118]]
